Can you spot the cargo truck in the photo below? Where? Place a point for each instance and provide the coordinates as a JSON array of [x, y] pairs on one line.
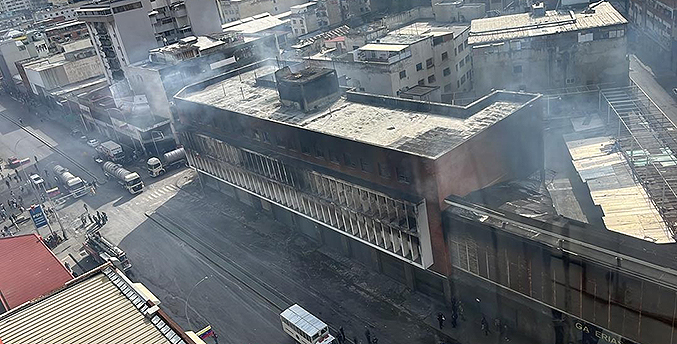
[[75, 185], [129, 180], [111, 151], [158, 166]]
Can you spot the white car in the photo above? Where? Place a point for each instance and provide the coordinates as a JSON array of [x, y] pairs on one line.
[[93, 143], [36, 180]]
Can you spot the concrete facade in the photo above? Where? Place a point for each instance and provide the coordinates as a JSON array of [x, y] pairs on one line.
[[61, 70], [304, 19], [60, 13], [507, 55], [175, 19], [299, 169], [422, 53], [122, 33], [232, 10], [655, 23]]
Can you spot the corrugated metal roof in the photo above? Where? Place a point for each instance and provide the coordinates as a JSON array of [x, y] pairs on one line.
[[28, 269], [626, 206], [305, 321], [514, 26], [102, 308]]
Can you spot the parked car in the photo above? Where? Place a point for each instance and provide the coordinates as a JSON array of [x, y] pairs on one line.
[[93, 143]]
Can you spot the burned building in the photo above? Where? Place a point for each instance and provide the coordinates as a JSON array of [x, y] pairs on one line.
[[363, 173], [548, 49]]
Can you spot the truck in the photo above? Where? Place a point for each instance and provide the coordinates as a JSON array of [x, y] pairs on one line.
[[104, 251], [158, 166], [75, 185], [129, 180], [111, 151]]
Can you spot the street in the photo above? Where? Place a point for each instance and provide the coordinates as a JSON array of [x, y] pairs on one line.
[[175, 234]]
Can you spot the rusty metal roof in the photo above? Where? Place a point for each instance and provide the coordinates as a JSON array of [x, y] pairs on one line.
[[28, 269], [522, 25]]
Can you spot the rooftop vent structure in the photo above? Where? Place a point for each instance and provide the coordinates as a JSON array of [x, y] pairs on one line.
[[307, 89], [538, 10]]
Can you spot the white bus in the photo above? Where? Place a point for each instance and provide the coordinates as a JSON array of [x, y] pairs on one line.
[[304, 327]]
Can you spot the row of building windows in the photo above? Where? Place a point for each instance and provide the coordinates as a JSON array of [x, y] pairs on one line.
[[366, 165], [386, 222]]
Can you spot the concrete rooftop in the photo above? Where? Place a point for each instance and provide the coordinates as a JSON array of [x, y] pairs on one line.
[[418, 133]]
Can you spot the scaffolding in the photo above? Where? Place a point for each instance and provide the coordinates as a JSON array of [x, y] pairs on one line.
[[647, 138]]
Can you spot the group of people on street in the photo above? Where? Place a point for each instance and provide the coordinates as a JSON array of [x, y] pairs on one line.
[[457, 312], [99, 219]]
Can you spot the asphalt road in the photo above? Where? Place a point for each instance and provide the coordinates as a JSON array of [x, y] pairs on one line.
[[233, 237]]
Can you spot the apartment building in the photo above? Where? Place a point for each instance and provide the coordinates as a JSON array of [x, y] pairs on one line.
[[65, 13], [121, 31], [14, 6], [17, 46], [304, 19], [655, 23], [360, 172], [171, 19], [232, 10], [570, 48], [434, 56]]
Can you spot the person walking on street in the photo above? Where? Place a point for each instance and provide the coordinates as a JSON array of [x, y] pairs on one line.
[[441, 319], [454, 317], [343, 334], [460, 310], [485, 326], [7, 183], [367, 334]]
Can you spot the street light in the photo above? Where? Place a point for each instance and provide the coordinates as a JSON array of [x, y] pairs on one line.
[[188, 297]]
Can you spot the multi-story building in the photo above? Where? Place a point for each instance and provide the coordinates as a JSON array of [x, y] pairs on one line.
[[431, 55], [171, 19], [64, 13], [232, 10], [17, 46], [362, 172], [304, 19], [121, 31], [570, 48], [192, 59], [46, 74], [13, 6], [655, 22]]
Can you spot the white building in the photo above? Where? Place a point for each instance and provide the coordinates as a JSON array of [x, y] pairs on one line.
[[66, 13], [15, 5], [304, 19], [17, 46], [60, 70], [175, 19], [122, 33], [232, 10], [422, 60]]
